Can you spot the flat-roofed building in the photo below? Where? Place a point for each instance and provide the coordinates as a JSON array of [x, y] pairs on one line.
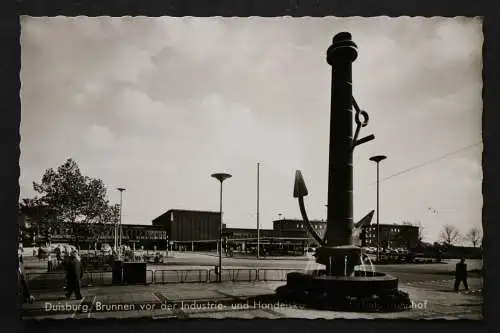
[[298, 228], [392, 236], [194, 229]]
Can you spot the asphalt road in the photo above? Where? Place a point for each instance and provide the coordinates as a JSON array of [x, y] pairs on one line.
[[192, 267], [197, 259]]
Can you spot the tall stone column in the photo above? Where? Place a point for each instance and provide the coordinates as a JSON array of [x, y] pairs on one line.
[[340, 56]]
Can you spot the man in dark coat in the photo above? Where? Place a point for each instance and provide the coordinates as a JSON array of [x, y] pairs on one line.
[[461, 275], [74, 274], [58, 254]]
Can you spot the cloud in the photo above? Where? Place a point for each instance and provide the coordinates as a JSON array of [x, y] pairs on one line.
[[158, 104], [99, 137]]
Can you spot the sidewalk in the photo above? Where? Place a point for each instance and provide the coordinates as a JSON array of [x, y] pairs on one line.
[[233, 300]]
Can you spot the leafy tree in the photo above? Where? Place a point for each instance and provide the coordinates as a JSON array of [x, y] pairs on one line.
[[474, 236], [449, 235], [66, 196]]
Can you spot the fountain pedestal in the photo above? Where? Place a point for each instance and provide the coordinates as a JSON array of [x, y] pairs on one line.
[[339, 260]]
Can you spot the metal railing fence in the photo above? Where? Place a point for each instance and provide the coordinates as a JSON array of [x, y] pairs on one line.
[[56, 280]]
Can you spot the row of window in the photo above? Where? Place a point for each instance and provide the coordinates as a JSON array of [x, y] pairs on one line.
[[374, 229], [374, 235], [109, 232], [144, 237], [315, 226]]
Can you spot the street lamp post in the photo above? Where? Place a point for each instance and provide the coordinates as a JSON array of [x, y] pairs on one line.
[[220, 177], [121, 189], [377, 159], [115, 245]]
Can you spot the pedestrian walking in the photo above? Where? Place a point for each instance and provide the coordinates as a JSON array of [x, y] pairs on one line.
[[74, 274], [40, 254], [58, 254], [20, 255], [461, 275]]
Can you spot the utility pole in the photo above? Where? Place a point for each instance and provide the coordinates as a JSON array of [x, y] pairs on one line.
[[258, 224]]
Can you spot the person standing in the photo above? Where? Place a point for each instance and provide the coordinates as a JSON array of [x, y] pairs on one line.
[[461, 275], [20, 255], [58, 254], [74, 274]]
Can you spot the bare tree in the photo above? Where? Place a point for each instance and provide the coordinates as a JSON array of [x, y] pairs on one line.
[[449, 235], [474, 236]]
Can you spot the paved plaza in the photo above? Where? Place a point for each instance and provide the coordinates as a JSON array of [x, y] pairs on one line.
[[430, 287], [431, 300]]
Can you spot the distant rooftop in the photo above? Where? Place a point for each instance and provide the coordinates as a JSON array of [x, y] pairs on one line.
[[246, 229], [374, 224], [298, 220], [187, 211], [191, 211]]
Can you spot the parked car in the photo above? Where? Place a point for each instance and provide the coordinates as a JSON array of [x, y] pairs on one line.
[[106, 249], [158, 258]]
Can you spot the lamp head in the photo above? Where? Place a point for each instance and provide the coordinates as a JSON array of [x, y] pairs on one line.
[[221, 176], [121, 189], [378, 158]]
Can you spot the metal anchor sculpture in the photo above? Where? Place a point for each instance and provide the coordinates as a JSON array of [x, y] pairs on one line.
[[360, 123], [300, 189], [338, 235]]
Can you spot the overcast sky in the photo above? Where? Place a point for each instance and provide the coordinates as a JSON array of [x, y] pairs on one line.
[[157, 105]]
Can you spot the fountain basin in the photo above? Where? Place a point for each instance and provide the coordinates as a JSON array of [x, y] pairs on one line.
[[357, 285], [363, 291]]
